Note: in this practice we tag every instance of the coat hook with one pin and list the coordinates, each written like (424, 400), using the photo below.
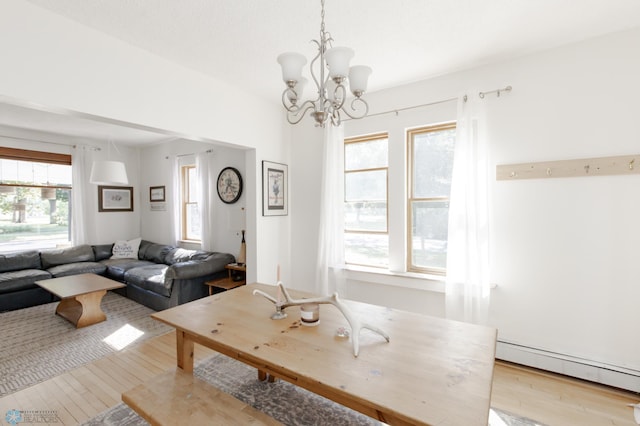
(631, 164)
(548, 171)
(586, 168)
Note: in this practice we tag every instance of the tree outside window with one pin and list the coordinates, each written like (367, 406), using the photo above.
(430, 161)
(35, 192)
(366, 216)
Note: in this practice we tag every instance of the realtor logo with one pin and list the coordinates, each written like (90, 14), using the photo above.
(13, 417)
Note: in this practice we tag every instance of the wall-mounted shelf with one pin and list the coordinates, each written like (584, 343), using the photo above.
(601, 166)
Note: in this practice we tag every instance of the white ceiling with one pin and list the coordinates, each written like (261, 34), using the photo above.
(402, 40)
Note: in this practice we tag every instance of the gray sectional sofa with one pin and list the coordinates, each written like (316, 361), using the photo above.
(161, 277)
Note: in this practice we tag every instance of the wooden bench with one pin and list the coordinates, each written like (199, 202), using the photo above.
(177, 397)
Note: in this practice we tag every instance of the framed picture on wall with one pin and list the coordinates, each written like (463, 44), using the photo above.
(275, 189)
(115, 198)
(156, 193)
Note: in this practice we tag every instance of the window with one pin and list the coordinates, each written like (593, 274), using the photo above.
(35, 189)
(190, 211)
(430, 165)
(366, 215)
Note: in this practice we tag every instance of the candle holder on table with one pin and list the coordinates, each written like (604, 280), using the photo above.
(279, 313)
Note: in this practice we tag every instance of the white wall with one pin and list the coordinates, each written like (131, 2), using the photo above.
(564, 251)
(228, 220)
(58, 63)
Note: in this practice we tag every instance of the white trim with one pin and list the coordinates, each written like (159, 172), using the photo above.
(410, 280)
(594, 371)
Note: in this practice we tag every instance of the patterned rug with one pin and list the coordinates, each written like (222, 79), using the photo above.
(38, 345)
(283, 401)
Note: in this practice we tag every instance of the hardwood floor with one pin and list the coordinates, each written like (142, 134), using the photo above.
(82, 393)
(559, 400)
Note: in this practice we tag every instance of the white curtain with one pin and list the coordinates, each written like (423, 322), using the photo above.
(174, 200)
(205, 182)
(330, 262)
(82, 225)
(467, 287)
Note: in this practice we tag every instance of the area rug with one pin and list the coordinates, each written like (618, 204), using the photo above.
(283, 401)
(38, 345)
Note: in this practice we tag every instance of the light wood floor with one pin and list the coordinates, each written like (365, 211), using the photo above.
(86, 391)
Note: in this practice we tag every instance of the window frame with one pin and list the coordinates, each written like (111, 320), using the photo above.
(186, 201)
(410, 188)
(32, 156)
(360, 139)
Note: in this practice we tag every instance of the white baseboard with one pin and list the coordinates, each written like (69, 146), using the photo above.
(611, 375)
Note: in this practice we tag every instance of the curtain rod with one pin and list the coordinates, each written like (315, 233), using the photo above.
(95, 148)
(187, 155)
(397, 110)
(481, 95)
(496, 91)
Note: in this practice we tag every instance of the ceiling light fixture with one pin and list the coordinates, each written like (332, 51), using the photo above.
(109, 172)
(331, 90)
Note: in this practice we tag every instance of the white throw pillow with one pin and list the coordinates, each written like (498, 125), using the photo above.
(126, 249)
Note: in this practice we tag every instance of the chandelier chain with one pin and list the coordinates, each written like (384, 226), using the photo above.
(322, 17)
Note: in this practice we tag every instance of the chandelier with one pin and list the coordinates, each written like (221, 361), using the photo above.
(332, 91)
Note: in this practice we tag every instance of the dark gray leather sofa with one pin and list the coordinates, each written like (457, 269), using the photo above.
(161, 277)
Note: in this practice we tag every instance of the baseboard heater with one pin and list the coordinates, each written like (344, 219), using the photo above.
(611, 375)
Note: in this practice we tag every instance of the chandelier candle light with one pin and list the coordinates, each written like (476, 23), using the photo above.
(331, 89)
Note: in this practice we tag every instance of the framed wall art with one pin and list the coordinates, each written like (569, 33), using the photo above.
(156, 193)
(115, 198)
(275, 189)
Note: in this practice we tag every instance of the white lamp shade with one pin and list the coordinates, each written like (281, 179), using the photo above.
(108, 173)
(358, 78)
(291, 64)
(338, 61)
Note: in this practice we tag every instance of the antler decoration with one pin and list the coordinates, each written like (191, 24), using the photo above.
(354, 322)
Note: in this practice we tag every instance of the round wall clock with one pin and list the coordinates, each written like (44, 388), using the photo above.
(229, 185)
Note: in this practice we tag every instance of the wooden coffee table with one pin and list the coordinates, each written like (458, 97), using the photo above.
(81, 296)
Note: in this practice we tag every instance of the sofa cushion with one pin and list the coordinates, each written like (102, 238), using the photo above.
(177, 255)
(156, 253)
(126, 249)
(102, 251)
(77, 268)
(117, 267)
(16, 261)
(212, 263)
(150, 277)
(21, 280)
(83, 253)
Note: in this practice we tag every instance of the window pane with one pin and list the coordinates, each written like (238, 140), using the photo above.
(366, 155)
(34, 218)
(429, 234)
(366, 186)
(193, 222)
(192, 196)
(433, 163)
(32, 173)
(365, 216)
(366, 249)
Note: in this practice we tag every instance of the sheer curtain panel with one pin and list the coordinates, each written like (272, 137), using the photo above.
(330, 263)
(175, 200)
(82, 194)
(206, 186)
(467, 283)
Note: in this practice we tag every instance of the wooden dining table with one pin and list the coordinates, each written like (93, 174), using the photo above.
(433, 371)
